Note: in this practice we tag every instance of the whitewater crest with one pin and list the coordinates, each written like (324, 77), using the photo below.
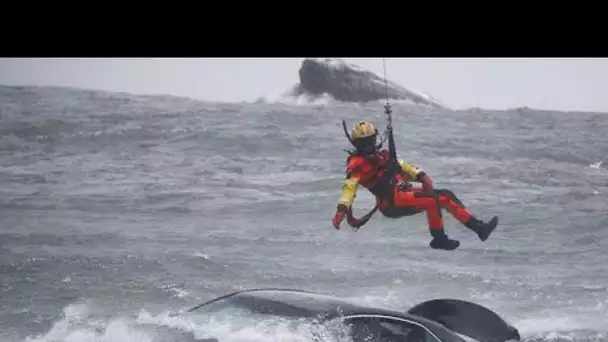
(335, 79)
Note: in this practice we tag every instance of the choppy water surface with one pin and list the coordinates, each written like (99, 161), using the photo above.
(117, 209)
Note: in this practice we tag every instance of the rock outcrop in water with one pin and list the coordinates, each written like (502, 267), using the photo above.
(351, 83)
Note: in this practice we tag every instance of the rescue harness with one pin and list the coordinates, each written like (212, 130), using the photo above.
(385, 184)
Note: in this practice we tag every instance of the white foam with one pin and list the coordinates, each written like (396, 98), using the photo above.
(202, 255)
(175, 290)
(78, 324)
(596, 165)
(237, 326)
(300, 100)
(548, 324)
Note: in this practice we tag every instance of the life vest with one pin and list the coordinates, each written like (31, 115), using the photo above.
(373, 172)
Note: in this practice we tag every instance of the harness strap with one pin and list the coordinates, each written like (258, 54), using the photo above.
(384, 185)
(356, 223)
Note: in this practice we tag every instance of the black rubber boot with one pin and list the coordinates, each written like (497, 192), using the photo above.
(482, 229)
(441, 241)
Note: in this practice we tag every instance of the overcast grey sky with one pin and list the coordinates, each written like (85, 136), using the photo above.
(566, 84)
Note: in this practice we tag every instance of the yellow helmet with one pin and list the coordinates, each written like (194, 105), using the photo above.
(363, 129)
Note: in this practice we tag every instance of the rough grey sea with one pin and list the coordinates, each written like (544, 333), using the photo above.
(117, 209)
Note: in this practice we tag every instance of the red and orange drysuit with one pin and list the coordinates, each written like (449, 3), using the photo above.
(400, 197)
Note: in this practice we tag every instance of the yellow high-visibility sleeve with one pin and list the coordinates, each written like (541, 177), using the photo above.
(349, 191)
(411, 171)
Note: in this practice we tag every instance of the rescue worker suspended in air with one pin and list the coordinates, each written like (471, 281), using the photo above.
(398, 197)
